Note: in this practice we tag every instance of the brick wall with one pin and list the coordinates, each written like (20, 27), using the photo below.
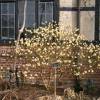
(4, 58)
(67, 19)
(67, 79)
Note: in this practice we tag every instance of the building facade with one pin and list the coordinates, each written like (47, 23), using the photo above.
(14, 14)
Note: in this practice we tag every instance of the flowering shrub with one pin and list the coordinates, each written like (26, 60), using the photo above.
(43, 47)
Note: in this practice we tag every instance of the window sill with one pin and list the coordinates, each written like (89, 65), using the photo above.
(7, 42)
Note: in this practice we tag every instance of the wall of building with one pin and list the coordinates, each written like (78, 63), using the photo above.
(67, 19)
(86, 19)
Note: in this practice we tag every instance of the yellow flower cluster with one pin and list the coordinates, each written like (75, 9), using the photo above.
(46, 45)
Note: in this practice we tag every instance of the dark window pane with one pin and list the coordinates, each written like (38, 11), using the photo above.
(99, 22)
(46, 0)
(30, 20)
(11, 33)
(0, 8)
(42, 19)
(4, 7)
(20, 21)
(31, 7)
(11, 8)
(0, 25)
(49, 18)
(49, 7)
(11, 20)
(4, 33)
(45, 12)
(30, 15)
(4, 20)
(41, 7)
(0, 33)
(7, 19)
(0, 21)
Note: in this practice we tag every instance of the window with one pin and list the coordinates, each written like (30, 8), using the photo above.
(90, 19)
(30, 13)
(87, 19)
(30, 16)
(45, 13)
(7, 20)
(37, 12)
(83, 14)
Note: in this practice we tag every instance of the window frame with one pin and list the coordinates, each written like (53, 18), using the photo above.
(55, 18)
(11, 41)
(96, 10)
(55, 10)
(96, 23)
(45, 13)
(97, 20)
(28, 14)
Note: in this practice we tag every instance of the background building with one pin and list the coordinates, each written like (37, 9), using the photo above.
(74, 13)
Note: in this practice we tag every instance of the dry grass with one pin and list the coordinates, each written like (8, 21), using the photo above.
(31, 93)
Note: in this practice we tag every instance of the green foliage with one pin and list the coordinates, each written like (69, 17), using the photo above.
(89, 87)
(77, 85)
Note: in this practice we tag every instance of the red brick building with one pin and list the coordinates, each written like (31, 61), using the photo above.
(74, 13)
